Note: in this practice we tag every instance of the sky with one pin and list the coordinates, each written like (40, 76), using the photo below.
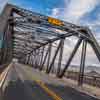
(81, 12)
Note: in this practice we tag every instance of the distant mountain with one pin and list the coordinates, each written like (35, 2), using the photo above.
(93, 73)
(87, 68)
(93, 68)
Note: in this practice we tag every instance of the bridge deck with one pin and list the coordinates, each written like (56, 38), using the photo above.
(26, 83)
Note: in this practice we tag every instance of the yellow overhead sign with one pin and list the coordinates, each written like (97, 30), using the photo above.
(54, 21)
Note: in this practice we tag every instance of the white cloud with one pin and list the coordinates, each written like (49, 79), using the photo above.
(94, 25)
(77, 8)
(55, 12)
(74, 9)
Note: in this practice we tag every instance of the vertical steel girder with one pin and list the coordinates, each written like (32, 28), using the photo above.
(44, 59)
(3, 31)
(38, 58)
(6, 54)
(49, 55)
(27, 59)
(70, 58)
(32, 60)
(4, 46)
(33, 53)
(82, 64)
(60, 57)
(41, 58)
(53, 60)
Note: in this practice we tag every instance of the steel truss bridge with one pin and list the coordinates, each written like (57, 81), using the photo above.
(30, 37)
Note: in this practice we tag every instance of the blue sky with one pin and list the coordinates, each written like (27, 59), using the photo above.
(82, 12)
(63, 9)
(41, 6)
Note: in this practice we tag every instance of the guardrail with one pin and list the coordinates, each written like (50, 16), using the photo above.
(88, 79)
(2, 80)
(2, 67)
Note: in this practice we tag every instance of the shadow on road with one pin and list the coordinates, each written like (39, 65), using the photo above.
(16, 91)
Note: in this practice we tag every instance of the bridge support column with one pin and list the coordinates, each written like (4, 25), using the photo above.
(82, 64)
(44, 59)
(53, 60)
(49, 55)
(70, 58)
(41, 58)
(60, 57)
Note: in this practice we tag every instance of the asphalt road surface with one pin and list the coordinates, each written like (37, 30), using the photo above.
(27, 83)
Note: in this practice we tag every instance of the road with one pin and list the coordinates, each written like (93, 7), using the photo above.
(26, 83)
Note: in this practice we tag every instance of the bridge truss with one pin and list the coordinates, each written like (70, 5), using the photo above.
(30, 37)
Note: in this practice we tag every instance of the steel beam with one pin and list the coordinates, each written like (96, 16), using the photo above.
(60, 57)
(44, 60)
(42, 53)
(49, 55)
(53, 60)
(70, 58)
(37, 58)
(82, 64)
